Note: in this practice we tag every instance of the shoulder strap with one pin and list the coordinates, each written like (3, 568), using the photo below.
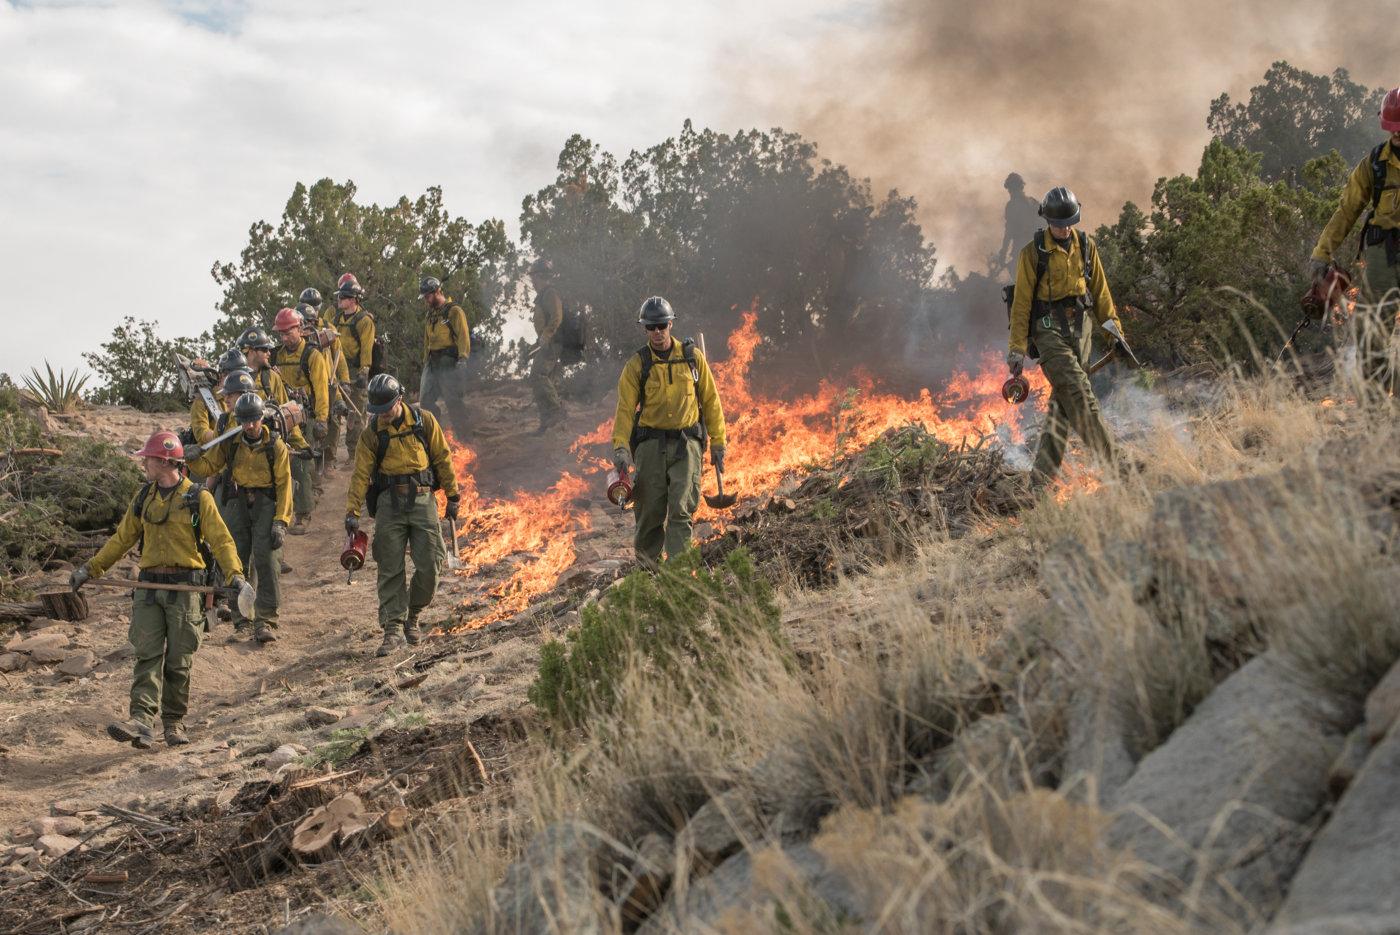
(381, 450)
(1084, 254)
(645, 355)
(1377, 175)
(192, 504)
(265, 378)
(138, 510)
(306, 352)
(688, 353)
(421, 431)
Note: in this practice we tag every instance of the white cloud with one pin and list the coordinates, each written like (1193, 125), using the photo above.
(141, 139)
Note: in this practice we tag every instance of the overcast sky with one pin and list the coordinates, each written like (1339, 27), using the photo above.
(141, 139)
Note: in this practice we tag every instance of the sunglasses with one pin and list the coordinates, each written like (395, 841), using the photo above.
(658, 326)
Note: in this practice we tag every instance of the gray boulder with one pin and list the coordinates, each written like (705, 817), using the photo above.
(554, 885)
(1353, 866)
(1228, 801)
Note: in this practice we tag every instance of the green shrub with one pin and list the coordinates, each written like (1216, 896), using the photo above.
(137, 367)
(685, 618)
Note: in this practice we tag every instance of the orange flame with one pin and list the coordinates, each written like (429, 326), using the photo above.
(771, 438)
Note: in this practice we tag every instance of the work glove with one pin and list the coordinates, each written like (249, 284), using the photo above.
(461, 366)
(319, 428)
(1015, 360)
(362, 378)
(1317, 269)
(717, 457)
(352, 525)
(78, 578)
(194, 451)
(279, 533)
(237, 582)
(622, 459)
(454, 504)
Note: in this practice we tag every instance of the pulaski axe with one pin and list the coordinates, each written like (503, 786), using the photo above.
(721, 500)
(1120, 343)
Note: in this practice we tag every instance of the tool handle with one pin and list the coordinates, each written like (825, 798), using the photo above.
(157, 586)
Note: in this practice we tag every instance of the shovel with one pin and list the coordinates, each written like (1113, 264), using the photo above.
(454, 558)
(721, 500)
(245, 594)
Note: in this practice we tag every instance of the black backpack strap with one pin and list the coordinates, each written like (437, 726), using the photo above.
(1086, 256)
(1377, 175)
(138, 509)
(421, 431)
(265, 378)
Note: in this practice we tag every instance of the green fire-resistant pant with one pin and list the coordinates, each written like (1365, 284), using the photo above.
(666, 495)
(303, 489)
(442, 386)
(544, 378)
(251, 528)
(166, 627)
(415, 530)
(1072, 401)
(1375, 321)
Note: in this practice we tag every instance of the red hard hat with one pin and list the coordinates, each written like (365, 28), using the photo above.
(1390, 111)
(288, 319)
(344, 278)
(163, 444)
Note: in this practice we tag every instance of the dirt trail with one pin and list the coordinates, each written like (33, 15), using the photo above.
(53, 747)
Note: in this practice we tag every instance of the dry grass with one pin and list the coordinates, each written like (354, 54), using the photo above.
(920, 744)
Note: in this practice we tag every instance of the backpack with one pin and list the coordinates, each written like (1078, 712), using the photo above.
(226, 478)
(1042, 263)
(191, 503)
(376, 480)
(688, 358)
(378, 356)
(573, 334)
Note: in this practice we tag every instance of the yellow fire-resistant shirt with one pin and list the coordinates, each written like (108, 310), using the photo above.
(1356, 198)
(356, 336)
(334, 352)
(314, 376)
(273, 388)
(447, 328)
(1063, 279)
(166, 521)
(548, 314)
(674, 397)
(404, 455)
(250, 467)
(201, 422)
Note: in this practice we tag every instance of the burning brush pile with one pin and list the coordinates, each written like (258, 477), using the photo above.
(869, 507)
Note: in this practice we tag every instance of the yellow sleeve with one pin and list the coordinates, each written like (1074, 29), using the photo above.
(123, 541)
(440, 455)
(359, 480)
(216, 535)
(1355, 197)
(320, 386)
(1021, 303)
(1104, 309)
(709, 401)
(462, 330)
(282, 480)
(200, 425)
(628, 391)
(212, 461)
(552, 318)
(365, 329)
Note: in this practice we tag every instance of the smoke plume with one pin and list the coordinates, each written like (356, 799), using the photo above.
(942, 99)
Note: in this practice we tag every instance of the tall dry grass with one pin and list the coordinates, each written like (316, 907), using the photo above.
(921, 745)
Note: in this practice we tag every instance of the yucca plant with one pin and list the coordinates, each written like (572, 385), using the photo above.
(57, 392)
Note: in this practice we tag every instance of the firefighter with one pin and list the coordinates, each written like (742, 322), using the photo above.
(357, 335)
(326, 339)
(547, 357)
(667, 408)
(255, 500)
(447, 344)
(201, 419)
(307, 376)
(1374, 186)
(169, 520)
(1019, 219)
(400, 459)
(1059, 282)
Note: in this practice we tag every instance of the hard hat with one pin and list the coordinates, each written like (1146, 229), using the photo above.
(428, 285)
(1060, 208)
(163, 444)
(288, 319)
(248, 408)
(311, 297)
(240, 382)
(1390, 111)
(655, 311)
(255, 339)
(383, 392)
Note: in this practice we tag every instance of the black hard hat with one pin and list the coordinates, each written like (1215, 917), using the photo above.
(1060, 208)
(1014, 182)
(541, 267)
(428, 285)
(384, 391)
(309, 313)
(248, 407)
(239, 381)
(349, 289)
(232, 360)
(255, 339)
(311, 297)
(655, 311)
